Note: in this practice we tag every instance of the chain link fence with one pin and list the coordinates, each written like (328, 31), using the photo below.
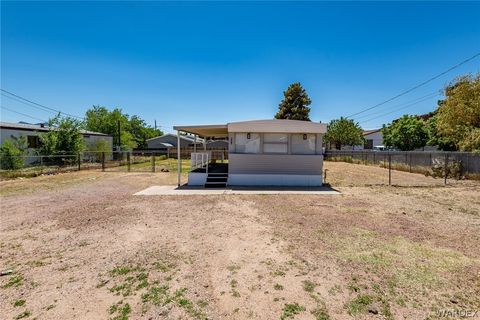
(114, 161)
(437, 164)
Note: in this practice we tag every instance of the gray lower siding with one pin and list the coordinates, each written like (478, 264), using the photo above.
(275, 164)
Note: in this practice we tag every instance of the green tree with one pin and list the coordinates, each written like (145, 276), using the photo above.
(471, 141)
(344, 131)
(100, 145)
(458, 116)
(406, 133)
(64, 137)
(100, 119)
(141, 131)
(435, 139)
(12, 152)
(294, 105)
(133, 130)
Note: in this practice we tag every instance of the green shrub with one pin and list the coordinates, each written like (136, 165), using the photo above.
(454, 170)
(12, 153)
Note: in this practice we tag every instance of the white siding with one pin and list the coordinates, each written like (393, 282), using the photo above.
(275, 164)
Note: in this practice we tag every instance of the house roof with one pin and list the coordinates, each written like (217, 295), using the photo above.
(367, 132)
(37, 127)
(277, 126)
(266, 126)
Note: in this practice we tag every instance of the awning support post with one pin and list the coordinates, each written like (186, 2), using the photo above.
(179, 160)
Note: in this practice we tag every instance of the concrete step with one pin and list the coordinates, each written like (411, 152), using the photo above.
(217, 179)
(215, 185)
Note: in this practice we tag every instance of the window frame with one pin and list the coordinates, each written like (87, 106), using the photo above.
(287, 143)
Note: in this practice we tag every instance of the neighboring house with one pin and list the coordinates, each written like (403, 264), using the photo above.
(260, 152)
(171, 141)
(373, 138)
(31, 132)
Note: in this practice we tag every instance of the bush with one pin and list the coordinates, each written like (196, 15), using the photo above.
(454, 170)
(11, 154)
(63, 138)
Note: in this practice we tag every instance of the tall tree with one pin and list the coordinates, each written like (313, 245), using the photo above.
(406, 133)
(294, 105)
(64, 138)
(344, 131)
(141, 131)
(458, 116)
(100, 119)
(133, 130)
(435, 139)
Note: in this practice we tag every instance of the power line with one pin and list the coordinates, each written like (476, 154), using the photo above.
(417, 86)
(430, 95)
(20, 113)
(35, 104)
(26, 104)
(39, 106)
(407, 106)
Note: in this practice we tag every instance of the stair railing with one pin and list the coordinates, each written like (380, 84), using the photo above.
(199, 160)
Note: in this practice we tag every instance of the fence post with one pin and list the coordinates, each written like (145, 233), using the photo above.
(446, 169)
(103, 161)
(389, 169)
(128, 161)
(153, 162)
(79, 161)
(410, 163)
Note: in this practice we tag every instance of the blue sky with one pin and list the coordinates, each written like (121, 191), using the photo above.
(212, 62)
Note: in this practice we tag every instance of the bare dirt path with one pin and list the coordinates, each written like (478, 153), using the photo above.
(83, 247)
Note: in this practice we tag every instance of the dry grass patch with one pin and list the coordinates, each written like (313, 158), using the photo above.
(397, 270)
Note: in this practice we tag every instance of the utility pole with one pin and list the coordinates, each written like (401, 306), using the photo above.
(155, 125)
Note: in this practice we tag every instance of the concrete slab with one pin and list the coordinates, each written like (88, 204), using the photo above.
(185, 191)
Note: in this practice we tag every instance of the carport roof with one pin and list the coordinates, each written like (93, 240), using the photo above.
(211, 130)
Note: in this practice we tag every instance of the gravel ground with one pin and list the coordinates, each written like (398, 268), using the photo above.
(81, 246)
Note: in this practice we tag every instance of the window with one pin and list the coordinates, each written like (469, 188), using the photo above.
(303, 143)
(368, 144)
(33, 141)
(275, 143)
(247, 143)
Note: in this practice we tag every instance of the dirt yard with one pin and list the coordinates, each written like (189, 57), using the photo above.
(81, 246)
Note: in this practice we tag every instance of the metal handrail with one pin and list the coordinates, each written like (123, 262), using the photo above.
(199, 163)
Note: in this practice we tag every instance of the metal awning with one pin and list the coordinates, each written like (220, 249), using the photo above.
(211, 130)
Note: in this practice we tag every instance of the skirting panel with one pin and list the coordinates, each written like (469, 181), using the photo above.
(275, 180)
(197, 178)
